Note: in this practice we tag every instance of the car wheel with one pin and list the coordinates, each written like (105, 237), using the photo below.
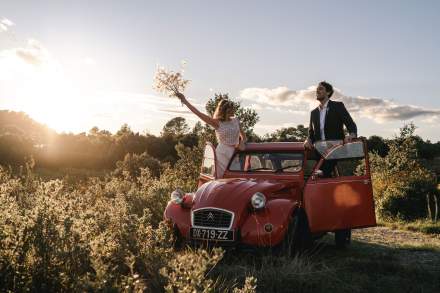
(178, 241)
(342, 238)
(298, 237)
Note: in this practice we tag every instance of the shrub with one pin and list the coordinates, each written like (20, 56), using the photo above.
(103, 234)
(189, 271)
(97, 235)
(400, 182)
(133, 163)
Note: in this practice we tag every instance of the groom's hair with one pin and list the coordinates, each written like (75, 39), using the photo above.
(328, 87)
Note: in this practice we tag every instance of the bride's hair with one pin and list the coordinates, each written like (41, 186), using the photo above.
(222, 110)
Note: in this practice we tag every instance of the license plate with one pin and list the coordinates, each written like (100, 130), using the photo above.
(212, 234)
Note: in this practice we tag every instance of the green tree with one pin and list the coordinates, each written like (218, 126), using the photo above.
(175, 127)
(197, 129)
(426, 149)
(94, 131)
(124, 130)
(294, 134)
(377, 144)
(401, 184)
(14, 148)
(248, 117)
(133, 164)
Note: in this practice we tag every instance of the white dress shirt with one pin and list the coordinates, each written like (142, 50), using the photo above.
(322, 113)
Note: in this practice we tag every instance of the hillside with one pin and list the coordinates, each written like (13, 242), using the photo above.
(19, 123)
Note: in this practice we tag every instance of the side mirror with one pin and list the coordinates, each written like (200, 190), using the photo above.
(317, 174)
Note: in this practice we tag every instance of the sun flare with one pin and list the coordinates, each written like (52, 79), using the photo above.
(52, 100)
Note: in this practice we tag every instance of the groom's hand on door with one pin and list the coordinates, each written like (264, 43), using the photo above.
(308, 144)
(349, 138)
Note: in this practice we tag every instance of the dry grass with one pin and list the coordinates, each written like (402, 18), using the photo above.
(423, 226)
(106, 235)
(379, 259)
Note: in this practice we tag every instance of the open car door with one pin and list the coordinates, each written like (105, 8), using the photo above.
(345, 200)
(208, 169)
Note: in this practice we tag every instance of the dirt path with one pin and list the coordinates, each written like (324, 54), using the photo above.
(410, 248)
(396, 238)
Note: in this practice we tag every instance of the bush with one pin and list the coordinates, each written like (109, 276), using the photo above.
(133, 163)
(97, 235)
(103, 234)
(188, 272)
(400, 183)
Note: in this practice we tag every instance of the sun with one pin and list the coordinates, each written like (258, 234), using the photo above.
(52, 100)
(34, 82)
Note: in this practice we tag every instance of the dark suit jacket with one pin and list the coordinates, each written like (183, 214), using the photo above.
(337, 116)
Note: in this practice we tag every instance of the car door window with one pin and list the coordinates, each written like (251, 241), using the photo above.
(349, 158)
(346, 151)
(309, 166)
(324, 146)
(267, 161)
(256, 162)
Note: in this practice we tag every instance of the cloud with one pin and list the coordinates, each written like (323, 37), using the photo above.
(33, 53)
(5, 24)
(302, 101)
(277, 96)
(29, 61)
(24, 60)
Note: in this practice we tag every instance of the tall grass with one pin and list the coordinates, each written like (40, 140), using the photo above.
(423, 226)
(57, 237)
(99, 235)
(107, 234)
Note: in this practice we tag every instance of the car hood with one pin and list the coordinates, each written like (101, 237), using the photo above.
(233, 194)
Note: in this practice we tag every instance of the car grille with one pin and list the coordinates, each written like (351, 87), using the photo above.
(212, 218)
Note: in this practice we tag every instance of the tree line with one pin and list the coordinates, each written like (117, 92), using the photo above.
(22, 138)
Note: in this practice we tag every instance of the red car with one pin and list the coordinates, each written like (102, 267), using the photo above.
(275, 193)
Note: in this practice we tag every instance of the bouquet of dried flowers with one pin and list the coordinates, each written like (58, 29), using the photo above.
(169, 82)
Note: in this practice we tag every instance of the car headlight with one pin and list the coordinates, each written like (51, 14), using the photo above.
(177, 196)
(258, 200)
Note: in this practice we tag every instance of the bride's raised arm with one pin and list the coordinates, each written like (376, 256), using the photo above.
(207, 119)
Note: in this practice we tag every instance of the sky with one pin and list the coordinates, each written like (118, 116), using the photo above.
(73, 65)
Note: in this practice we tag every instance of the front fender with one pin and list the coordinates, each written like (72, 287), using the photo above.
(277, 212)
(179, 216)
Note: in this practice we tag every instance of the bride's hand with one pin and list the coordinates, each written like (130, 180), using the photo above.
(180, 96)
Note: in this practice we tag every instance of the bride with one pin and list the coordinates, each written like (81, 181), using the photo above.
(227, 130)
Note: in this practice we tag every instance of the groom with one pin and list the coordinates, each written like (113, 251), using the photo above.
(327, 122)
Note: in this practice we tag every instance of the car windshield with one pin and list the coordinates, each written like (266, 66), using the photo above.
(266, 162)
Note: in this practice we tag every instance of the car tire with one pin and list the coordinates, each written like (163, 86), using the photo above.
(298, 237)
(178, 241)
(342, 238)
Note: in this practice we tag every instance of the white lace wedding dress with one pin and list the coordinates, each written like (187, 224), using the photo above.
(228, 136)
